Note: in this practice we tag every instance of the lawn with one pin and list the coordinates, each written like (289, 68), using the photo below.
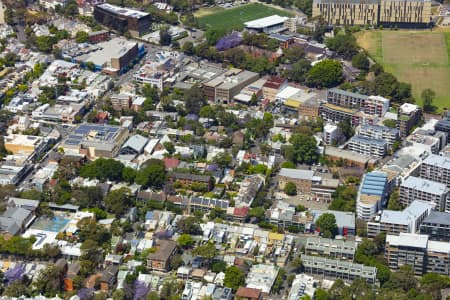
(234, 18)
(417, 57)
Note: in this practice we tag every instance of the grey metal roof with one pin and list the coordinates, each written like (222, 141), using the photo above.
(18, 214)
(368, 141)
(136, 143)
(24, 203)
(425, 185)
(339, 91)
(438, 161)
(437, 217)
(9, 225)
(297, 174)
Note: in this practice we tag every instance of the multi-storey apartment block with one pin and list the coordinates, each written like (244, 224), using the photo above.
(415, 188)
(346, 12)
(373, 12)
(417, 251)
(345, 99)
(329, 247)
(333, 113)
(333, 268)
(407, 117)
(436, 168)
(376, 105)
(367, 146)
(371, 195)
(396, 222)
(437, 226)
(390, 135)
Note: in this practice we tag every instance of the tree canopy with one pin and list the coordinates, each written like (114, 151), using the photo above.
(325, 74)
(327, 225)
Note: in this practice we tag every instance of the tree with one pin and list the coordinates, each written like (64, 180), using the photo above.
(185, 241)
(428, 96)
(188, 48)
(327, 225)
(103, 169)
(344, 44)
(81, 37)
(164, 36)
(394, 203)
(288, 165)
(304, 148)
(17, 289)
(403, 279)
(129, 174)
(299, 70)
(257, 212)
(326, 73)
(194, 100)
(290, 189)
(223, 159)
(49, 281)
(234, 278)
(207, 251)
(189, 225)
(117, 201)
(361, 61)
(219, 266)
(346, 128)
(169, 147)
(213, 35)
(153, 174)
(390, 123)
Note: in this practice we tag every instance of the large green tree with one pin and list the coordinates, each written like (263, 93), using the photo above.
(304, 148)
(234, 278)
(324, 74)
(153, 174)
(327, 225)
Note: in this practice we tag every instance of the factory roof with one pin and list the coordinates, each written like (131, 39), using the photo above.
(266, 22)
(297, 174)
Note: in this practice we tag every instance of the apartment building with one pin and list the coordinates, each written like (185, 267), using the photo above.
(404, 12)
(333, 268)
(345, 99)
(376, 105)
(19, 144)
(333, 113)
(408, 116)
(121, 101)
(223, 88)
(367, 146)
(390, 135)
(123, 19)
(385, 12)
(338, 249)
(415, 188)
(371, 195)
(436, 168)
(406, 249)
(437, 226)
(417, 251)
(396, 222)
(331, 134)
(346, 12)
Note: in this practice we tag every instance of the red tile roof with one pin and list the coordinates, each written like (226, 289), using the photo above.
(248, 293)
(240, 211)
(171, 163)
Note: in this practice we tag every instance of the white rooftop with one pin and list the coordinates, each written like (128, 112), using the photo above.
(266, 22)
(425, 185)
(123, 11)
(287, 92)
(297, 174)
(408, 240)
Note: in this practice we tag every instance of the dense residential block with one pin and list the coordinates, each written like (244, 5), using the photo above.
(415, 188)
(437, 226)
(436, 168)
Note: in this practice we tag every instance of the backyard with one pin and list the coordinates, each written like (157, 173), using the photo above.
(417, 57)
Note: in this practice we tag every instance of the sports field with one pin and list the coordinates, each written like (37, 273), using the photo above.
(421, 58)
(234, 18)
